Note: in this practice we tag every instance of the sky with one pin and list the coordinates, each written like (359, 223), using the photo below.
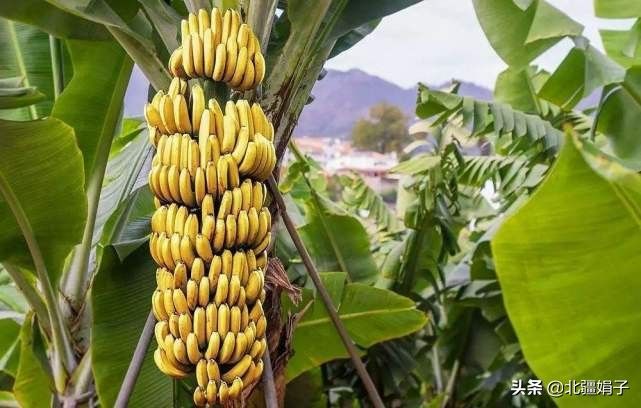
(437, 40)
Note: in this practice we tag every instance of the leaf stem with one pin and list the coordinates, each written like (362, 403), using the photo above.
(269, 386)
(55, 48)
(137, 359)
(325, 297)
(31, 295)
(64, 359)
(21, 65)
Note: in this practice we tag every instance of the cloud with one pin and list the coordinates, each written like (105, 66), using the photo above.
(437, 40)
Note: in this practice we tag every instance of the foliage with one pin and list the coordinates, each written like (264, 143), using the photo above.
(384, 131)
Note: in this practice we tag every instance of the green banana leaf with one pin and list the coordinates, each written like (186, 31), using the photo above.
(568, 264)
(32, 387)
(9, 345)
(24, 53)
(93, 100)
(620, 118)
(617, 8)
(41, 168)
(371, 315)
(13, 93)
(533, 29)
(121, 301)
(52, 20)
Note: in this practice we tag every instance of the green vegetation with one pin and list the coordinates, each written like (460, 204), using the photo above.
(385, 131)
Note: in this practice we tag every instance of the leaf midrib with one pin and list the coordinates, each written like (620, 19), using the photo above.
(351, 316)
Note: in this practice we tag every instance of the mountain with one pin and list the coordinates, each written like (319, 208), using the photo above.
(343, 97)
(340, 99)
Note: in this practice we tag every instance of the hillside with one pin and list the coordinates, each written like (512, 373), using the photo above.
(340, 99)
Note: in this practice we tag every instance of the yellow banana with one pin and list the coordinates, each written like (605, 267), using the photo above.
(200, 398)
(254, 286)
(185, 326)
(257, 311)
(200, 186)
(261, 326)
(203, 292)
(229, 135)
(181, 114)
(235, 389)
(259, 66)
(173, 183)
(193, 23)
(203, 21)
(231, 61)
(223, 393)
(209, 223)
(248, 165)
(187, 56)
(217, 114)
(254, 225)
(226, 27)
(166, 110)
(226, 263)
(186, 251)
(214, 272)
(201, 373)
(200, 326)
(243, 35)
(219, 236)
(221, 291)
(216, 20)
(234, 292)
(244, 316)
(227, 349)
(230, 231)
(247, 82)
(197, 106)
(235, 318)
(207, 206)
(193, 157)
(203, 138)
(211, 392)
(213, 346)
(168, 301)
(220, 61)
(192, 294)
(180, 276)
(193, 353)
(197, 269)
(235, 25)
(213, 371)
(176, 63)
(243, 228)
(233, 173)
(158, 306)
(242, 143)
(203, 247)
(211, 176)
(222, 168)
(239, 71)
(239, 369)
(211, 317)
(191, 227)
(223, 320)
(264, 243)
(236, 202)
(225, 205)
(180, 302)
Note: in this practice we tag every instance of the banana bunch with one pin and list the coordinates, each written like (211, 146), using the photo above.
(220, 47)
(211, 229)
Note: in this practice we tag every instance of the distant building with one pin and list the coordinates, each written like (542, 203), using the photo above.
(338, 157)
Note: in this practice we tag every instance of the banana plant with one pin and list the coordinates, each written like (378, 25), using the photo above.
(75, 209)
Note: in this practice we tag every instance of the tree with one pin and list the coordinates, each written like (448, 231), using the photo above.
(385, 131)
